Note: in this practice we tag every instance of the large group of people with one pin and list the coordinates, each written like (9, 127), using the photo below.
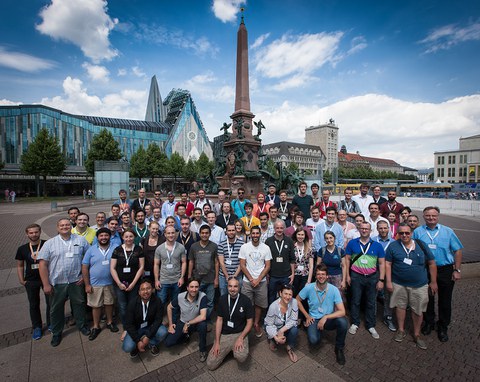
(279, 266)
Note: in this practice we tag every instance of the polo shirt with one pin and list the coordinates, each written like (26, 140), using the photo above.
(373, 224)
(189, 310)
(283, 254)
(98, 263)
(243, 311)
(319, 240)
(441, 240)
(384, 242)
(320, 303)
(89, 234)
(408, 269)
(364, 263)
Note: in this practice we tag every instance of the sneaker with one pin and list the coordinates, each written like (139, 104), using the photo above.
(421, 344)
(37, 334)
(56, 339)
(353, 329)
(112, 327)
(390, 325)
(399, 336)
(154, 350)
(374, 333)
(50, 329)
(134, 353)
(203, 356)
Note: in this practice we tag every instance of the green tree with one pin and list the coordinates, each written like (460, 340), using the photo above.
(327, 176)
(43, 157)
(139, 167)
(190, 170)
(157, 162)
(271, 167)
(176, 166)
(204, 165)
(103, 147)
(293, 167)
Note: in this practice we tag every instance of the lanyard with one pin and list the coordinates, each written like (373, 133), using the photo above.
(104, 251)
(320, 302)
(141, 204)
(226, 218)
(270, 198)
(386, 246)
(283, 316)
(279, 249)
(141, 234)
(127, 258)
(248, 224)
(145, 310)
(185, 239)
(300, 252)
(230, 248)
(348, 206)
(434, 236)
(367, 248)
(234, 306)
(283, 209)
(34, 254)
(261, 208)
(170, 254)
(408, 250)
(390, 207)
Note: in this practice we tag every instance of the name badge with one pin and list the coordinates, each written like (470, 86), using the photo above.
(283, 217)
(35, 266)
(364, 261)
(126, 270)
(230, 324)
(169, 266)
(69, 254)
(228, 262)
(105, 262)
(147, 273)
(407, 261)
(300, 268)
(279, 259)
(76, 249)
(144, 325)
(320, 309)
(432, 246)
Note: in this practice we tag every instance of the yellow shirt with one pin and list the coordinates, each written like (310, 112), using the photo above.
(89, 234)
(249, 222)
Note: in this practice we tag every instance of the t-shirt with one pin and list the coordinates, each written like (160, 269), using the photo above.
(99, 265)
(243, 311)
(282, 256)
(230, 252)
(303, 203)
(122, 268)
(408, 269)
(364, 257)
(255, 257)
(31, 272)
(189, 310)
(333, 260)
(320, 302)
(204, 258)
(170, 262)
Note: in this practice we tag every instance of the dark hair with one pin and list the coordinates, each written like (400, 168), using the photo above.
(406, 208)
(115, 205)
(83, 214)
(329, 233)
(314, 185)
(282, 286)
(205, 227)
(138, 211)
(248, 204)
(373, 204)
(128, 230)
(264, 214)
(197, 209)
(103, 230)
(405, 225)
(144, 280)
(322, 267)
(34, 225)
(328, 209)
(361, 216)
(256, 227)
(192, 279)
(297, 231)
(73, 208)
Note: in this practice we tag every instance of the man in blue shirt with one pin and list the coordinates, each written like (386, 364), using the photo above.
(329, 224)
(238, 204)
(447, 249)
(325, 311)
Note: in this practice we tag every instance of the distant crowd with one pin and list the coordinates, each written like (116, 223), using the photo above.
(167, 268)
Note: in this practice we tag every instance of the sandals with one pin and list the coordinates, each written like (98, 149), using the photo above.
(272, 345)
(292, 355)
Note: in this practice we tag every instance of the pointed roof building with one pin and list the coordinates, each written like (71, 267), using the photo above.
(155, 109)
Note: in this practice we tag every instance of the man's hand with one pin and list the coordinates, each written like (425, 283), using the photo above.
(321, 323)
(80, 282)
(389, 287)
(456, 276)
(88, 289)
(309, 320)
(215, 349)
(290, 279)
(238, 346)
(380, 285)
(255, 283)
(48, 289)
(171, 328)
(185, 328)
(433, 287)
(215, 282)
(158, 285)
(180, 282)
(122, 286)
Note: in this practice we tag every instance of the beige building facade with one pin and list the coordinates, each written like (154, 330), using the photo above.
(326, 136)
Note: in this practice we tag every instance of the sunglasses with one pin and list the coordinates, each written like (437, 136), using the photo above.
(404, 233)
(241, 193)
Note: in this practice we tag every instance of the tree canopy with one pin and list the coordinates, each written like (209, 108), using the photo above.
(43, 157)
(139, 164)
(103, 147)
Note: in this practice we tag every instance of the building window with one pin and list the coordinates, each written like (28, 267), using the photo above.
(453, 169)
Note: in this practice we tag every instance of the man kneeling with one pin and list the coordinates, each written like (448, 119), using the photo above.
(144, 321)
(234, 322)
(326, 311)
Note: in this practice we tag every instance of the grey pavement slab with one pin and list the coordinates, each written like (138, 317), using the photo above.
(14, 313)
(306, 369)
(166, 356)
(10, 367)
(250, 370)
(274, 362)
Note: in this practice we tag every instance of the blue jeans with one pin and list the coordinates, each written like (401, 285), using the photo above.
(273, 286)
(201, 328)
(129, 345)
(291, 336)
(223, 284)
(209, 290)
(162, 294)
(359, 285)
(339, 324)
(123, 299)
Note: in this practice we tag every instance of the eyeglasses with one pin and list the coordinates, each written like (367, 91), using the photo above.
(241, 193)
(404, 233)
(157, 194)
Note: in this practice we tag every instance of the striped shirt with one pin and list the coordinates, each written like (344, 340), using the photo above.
(64, 258)
(230, 255)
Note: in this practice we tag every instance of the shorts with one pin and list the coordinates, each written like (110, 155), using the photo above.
(416, 298)
(102, 295)
(259, 295)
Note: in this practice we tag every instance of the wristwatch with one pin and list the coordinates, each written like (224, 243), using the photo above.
(457, 270)
(381, 280)
(187, 324)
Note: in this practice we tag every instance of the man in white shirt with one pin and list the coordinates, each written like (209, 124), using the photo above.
(363, 199)
(315, 220)
(217, 233)
(374, 218)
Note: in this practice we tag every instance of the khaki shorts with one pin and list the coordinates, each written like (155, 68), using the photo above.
(258, 296)
(416, 298)
(102, 295)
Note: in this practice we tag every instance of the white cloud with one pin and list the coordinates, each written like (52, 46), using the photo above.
(448, 36)
(297, 55)
(96, 72)
(226, 10)
(378, 125)
(24, 62)
(128, 104)
(7, 102)
(84, 23)
(157, 34)
(138, 72)
(205, 87)
(200, 79)
(259, 41)
(122, 72)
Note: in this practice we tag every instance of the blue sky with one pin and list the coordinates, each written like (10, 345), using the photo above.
(401, 79)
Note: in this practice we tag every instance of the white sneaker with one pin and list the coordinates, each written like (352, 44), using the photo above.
(353, 329)
(374, 333)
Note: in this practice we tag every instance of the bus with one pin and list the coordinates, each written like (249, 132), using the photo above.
(427, 190)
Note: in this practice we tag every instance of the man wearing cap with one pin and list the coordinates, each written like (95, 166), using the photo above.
(238, 204)
(98, 281)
